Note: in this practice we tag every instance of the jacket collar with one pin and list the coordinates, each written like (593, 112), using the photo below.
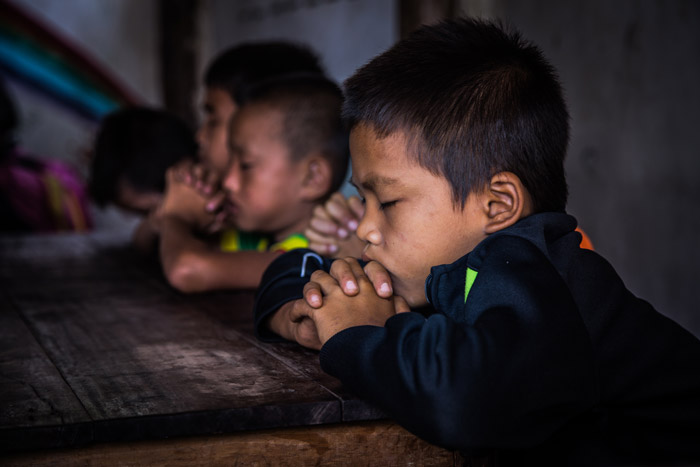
(445, 286)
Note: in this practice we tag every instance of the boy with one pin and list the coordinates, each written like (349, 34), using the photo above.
(535, 349)
(230, 77)
(227, 80)
(288, 152)
(133, 149)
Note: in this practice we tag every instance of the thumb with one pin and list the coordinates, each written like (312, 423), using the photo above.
(400, 305)
(215, 202)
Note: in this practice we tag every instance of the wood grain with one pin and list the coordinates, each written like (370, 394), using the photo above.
(369, 443)
(102, 358)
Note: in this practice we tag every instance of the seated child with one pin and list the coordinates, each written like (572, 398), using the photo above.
(227, 80)
(133, 150)
(37, 195)
(532, 348)
(288, 152)
(230, 77)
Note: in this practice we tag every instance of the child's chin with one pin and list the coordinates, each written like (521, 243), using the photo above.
(412, 298)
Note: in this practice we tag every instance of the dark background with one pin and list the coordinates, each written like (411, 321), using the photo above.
(630, 70)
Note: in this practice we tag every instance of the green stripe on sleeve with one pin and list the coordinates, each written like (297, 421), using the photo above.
(468, 282)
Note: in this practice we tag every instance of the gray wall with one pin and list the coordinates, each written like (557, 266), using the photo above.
(345, 33)
(631, 70)
(121, 35)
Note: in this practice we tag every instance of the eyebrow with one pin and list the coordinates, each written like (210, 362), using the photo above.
(371, 182)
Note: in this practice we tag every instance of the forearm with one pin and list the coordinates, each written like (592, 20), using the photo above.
(145, 237)
(279, 323)
(179, 249)
(282, 283)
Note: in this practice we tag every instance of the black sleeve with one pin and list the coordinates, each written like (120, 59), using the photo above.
(509, 379)
(282, 282)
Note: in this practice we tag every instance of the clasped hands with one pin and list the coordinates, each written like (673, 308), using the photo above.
(349, 295)
(193, 195)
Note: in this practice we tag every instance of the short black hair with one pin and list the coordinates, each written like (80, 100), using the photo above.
(311, 105)
(474, 99)
(237, 69)
(137, 145)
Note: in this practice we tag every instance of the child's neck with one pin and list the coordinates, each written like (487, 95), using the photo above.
(297, 227)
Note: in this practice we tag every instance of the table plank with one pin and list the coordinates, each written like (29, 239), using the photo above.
(144, 360)
(128, 358)
(34, 396)
(141, 361)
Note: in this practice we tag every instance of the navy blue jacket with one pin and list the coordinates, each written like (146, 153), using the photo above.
(536, 350)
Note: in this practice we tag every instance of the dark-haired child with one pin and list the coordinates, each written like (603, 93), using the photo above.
(533, 349)
(230, 77)
(37, 194)
(228, 81)
(287, 153)
(134, 148)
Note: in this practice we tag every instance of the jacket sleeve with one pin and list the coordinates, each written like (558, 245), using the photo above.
(508, 378)
(283, 281)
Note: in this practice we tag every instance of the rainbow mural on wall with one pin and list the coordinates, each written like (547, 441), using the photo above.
(35, 54)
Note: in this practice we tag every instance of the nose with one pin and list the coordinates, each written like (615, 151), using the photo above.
(367, 230)
(232, 180)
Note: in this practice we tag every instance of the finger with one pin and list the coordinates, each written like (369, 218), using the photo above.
(320, 212)
(400, 305)
(324, 249)
(338, 208)
(380, 279)
(329, 284)
(178, 173)
(299, 311)
(305, 333)
(320, 243)
(359, 273)
(347, 272)
(211, 181)
(327, 227)
(218, 223)
(184, 170)
(357, 207)
(214, 203)
(197, 175)
(312, 295)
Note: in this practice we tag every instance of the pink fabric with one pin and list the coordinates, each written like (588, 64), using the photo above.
(47, 196)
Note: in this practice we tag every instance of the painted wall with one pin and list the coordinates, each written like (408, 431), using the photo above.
(121, 35)
(630, 69)
(345, 33)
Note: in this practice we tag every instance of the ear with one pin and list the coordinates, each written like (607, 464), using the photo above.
(316, 177)
(506, 202)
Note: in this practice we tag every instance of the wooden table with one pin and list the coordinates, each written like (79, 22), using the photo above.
(102, 362)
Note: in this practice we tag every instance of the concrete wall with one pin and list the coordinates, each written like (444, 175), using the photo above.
(345, 33)
(631, 74)
(121, 35)
(630, 69)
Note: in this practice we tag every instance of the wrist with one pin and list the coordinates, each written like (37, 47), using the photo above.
(279, 321)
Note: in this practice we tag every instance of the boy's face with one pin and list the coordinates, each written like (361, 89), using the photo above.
(410, 222)
(212, 135)
(262, 183)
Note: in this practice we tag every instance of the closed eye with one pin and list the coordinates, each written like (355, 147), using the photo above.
(388, 204)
